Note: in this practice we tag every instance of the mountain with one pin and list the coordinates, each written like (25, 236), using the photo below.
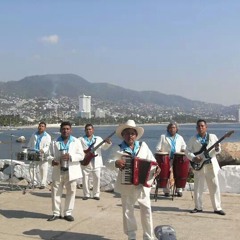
(70, 85)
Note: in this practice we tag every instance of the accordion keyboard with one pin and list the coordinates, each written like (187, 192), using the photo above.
(126, 173)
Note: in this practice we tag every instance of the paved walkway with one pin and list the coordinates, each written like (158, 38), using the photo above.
(23, 217)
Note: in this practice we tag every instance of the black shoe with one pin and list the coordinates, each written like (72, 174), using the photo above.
(167, 194)
(220, 212)
(96, 198)
(53, 218)
(69, 218)
(195, 210)
(42, 187)
(179, 194)
(85, 198)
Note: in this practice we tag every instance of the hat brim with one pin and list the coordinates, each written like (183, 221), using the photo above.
(121, 127)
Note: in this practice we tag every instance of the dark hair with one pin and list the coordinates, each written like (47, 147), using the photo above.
(88, 125)
(201, 120)
(42, 123)
(65, 124)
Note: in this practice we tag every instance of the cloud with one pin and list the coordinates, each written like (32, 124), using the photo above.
(36, 57)
(52, 39)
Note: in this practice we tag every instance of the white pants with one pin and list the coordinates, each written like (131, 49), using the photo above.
(38, 171)
(43, 172)
(96, 175)
(57, 190)
(130, 195)
(207, 173)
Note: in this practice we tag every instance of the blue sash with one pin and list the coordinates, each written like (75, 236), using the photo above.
(64, 146)
(39, 138)
(125, 147)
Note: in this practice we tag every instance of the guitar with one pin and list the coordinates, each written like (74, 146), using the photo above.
(204, 153)
(90, 152)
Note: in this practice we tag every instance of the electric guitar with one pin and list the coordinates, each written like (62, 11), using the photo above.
(90, 152)
(204, 153)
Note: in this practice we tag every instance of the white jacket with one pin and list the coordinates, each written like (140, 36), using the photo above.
(44, 143)
(76, 154)
(194, 146)
(164, 144)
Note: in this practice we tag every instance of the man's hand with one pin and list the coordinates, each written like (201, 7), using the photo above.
(197, 159)
(65, 157)
(55, 163)
(216, 147)
(120, 164)
(108, 140)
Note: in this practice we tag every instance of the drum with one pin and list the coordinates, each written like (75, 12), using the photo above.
(22, 156)
(180, 169)
(33, 156)
(163, 161)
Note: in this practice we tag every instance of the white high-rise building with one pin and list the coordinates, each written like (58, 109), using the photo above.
(85, 106)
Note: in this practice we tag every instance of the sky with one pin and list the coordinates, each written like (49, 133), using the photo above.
(186, 48)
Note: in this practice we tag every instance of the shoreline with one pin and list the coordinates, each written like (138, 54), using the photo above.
(57, 125)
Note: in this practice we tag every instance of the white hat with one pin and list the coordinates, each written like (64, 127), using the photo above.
(129, 124)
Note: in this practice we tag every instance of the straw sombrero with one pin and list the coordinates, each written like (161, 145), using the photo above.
(129, 124)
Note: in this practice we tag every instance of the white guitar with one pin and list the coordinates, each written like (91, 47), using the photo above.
(204, 153)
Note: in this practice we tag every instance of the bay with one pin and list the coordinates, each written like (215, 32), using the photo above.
(9, 147)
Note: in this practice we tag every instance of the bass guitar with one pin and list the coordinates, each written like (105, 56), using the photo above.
(90, 152)
(204, 153)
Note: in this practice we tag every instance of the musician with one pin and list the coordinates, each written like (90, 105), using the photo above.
(209, 170)
(130, 194)
(89, 140)
(171, 142)
(66, 153)
(40, 142)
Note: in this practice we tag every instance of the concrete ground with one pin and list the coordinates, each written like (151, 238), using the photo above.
(24, 217)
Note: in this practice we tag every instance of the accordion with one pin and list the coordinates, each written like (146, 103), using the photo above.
(138, 171)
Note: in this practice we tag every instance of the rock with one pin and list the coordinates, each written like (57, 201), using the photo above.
(229, 178)
(21, 139)
(230, 154)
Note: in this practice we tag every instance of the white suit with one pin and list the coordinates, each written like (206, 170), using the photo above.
(93, 167)
(208, 172)
(67, 178)
(164, 145)
(130, 194)
(43, 163)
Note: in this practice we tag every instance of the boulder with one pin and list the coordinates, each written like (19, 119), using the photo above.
(229, 178)
(230, 154)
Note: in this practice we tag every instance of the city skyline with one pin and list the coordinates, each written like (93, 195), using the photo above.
(189, 49)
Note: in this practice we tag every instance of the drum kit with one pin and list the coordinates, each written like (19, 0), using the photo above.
(31, 157)
(177, 175)
(12, 164)
(28, 157)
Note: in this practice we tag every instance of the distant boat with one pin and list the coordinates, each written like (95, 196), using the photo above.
(21, 139)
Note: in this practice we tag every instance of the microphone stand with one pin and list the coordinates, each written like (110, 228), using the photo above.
(17, 187)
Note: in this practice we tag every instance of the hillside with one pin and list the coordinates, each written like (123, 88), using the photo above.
(70, 85)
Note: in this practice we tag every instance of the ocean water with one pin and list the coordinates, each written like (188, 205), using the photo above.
(9, 147)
